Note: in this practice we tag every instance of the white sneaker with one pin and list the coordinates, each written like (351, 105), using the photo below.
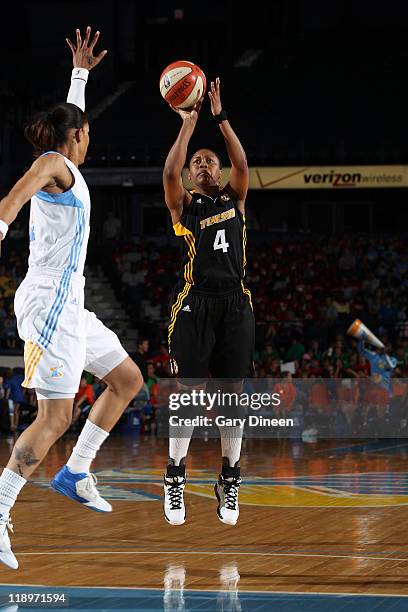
(226, 491)
(6, 554)
(173, 507)
(81, 488)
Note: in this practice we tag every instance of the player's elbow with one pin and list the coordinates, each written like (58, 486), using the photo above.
(242, 163)
(170, 173)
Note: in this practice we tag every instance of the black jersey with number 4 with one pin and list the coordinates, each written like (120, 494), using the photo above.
(213, 230)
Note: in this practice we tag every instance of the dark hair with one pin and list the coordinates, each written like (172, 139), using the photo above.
(216, 155)
(48, 129)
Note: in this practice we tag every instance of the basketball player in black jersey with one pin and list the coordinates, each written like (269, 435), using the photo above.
(211, 331)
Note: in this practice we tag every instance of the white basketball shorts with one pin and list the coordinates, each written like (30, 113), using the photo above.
(61, 337)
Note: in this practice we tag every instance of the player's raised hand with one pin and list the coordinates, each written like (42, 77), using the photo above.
(190, 114)
(215, 97)
(82, 51)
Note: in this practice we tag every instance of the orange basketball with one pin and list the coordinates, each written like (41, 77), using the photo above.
(182, 84)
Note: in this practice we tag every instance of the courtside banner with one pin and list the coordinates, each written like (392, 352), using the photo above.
(322, 177)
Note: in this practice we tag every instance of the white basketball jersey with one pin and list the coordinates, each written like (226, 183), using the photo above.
(59, 227)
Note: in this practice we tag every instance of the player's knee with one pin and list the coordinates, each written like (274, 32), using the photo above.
(128, 382)
(134, 382)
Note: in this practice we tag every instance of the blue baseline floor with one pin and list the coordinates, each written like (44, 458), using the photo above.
(202, 601)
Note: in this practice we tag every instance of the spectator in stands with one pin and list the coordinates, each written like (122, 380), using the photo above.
(319, 398)
(152, 378)
(296, 351)
(270, 352)
(139, 357)
(161, 361)
(328, 310)
(287, 394)
(341, 305)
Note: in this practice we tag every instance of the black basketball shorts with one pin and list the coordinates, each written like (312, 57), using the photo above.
(211, 336)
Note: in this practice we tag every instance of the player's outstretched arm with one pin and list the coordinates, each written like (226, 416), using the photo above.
(43, 171)
(175, 193)
(83, 60)
(239, 177)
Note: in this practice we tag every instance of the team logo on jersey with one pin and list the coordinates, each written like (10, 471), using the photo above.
(57, 371)
(225, 197)
(173, 366)
(227, 214)
(186, 308)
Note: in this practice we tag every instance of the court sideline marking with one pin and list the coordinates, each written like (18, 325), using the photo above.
(193, 552)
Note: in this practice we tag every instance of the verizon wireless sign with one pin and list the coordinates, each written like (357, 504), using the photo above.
(329, 177)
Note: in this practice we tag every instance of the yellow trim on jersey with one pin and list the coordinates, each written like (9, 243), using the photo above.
(247, 292)
(244, 241)
(176, 309)
(32, 355)
(181, 230)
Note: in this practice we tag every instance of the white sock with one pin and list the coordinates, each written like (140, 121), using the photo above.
(231, 442)
(88, 444)
(178, 447)
(10, 486)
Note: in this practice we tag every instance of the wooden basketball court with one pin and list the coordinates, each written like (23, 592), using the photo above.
(316, 520)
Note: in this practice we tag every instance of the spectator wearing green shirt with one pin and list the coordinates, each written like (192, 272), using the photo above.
(295, 351)
(152, 379)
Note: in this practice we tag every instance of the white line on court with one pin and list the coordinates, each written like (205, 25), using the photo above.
(194, 552)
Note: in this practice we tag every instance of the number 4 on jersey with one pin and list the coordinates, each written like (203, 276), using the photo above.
(219, 242)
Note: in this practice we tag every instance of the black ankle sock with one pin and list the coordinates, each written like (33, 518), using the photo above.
(176, 470)
(230, 472)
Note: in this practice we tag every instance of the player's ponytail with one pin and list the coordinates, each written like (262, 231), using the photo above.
(48, 130)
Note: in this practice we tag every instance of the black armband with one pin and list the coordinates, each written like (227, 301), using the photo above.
(222, 116)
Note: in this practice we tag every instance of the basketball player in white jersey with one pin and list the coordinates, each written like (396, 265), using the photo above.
(61, 337)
